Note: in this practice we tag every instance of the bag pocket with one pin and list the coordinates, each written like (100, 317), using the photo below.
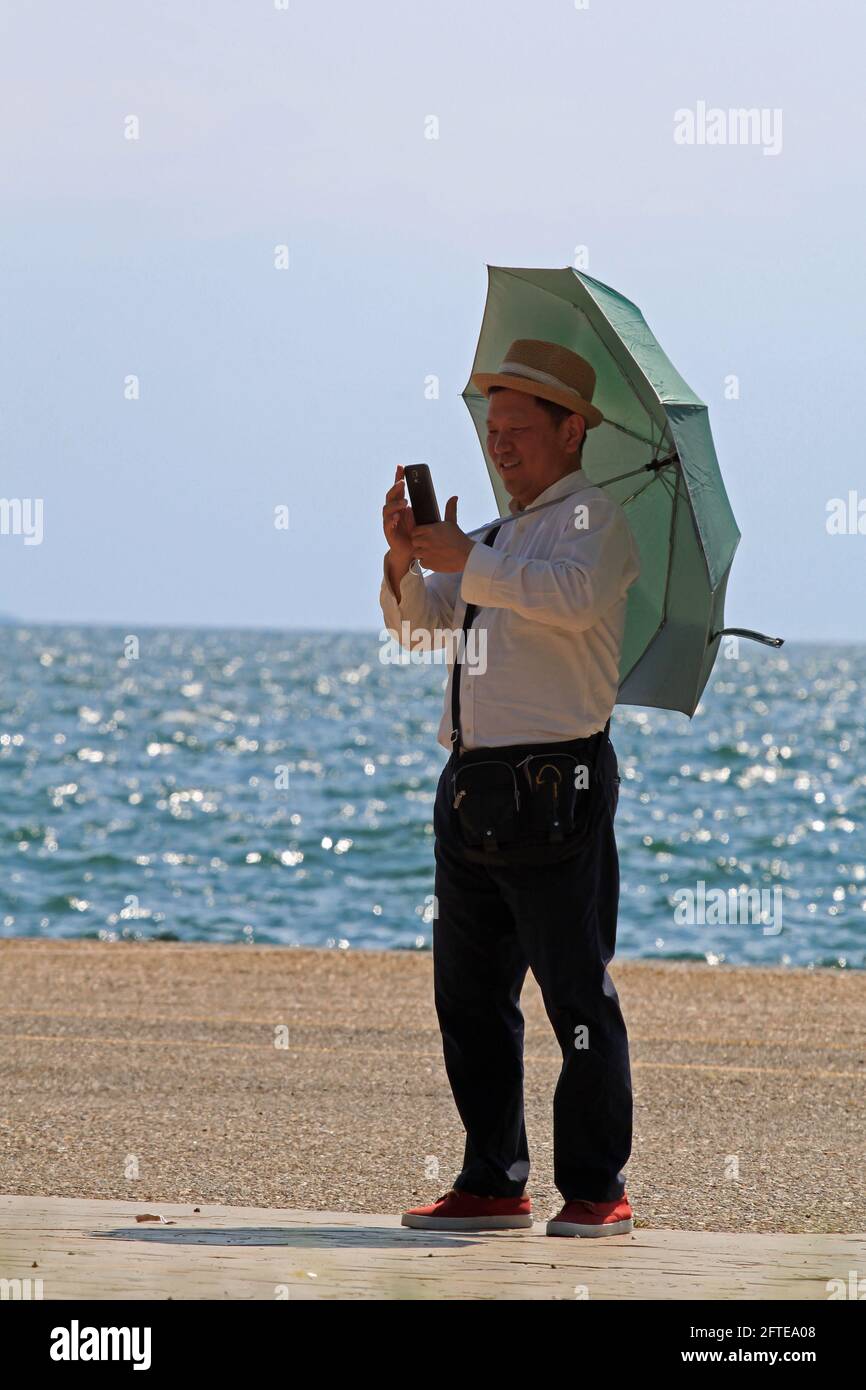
(560, 791)
(486, 800)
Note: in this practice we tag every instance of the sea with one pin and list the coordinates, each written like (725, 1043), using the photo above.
(277, 787)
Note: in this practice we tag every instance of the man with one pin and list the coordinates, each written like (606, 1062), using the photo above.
(553, 589)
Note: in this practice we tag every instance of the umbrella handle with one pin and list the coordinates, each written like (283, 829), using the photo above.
(748, 632)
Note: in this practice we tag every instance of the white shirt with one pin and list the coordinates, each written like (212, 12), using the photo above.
(552, 590)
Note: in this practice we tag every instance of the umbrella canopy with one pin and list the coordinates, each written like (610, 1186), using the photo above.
(653, 454)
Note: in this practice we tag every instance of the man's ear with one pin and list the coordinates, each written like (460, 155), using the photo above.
(575, 427)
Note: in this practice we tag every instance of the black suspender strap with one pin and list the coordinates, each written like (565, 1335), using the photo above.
(468, 620)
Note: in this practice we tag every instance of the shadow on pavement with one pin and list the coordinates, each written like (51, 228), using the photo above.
(299, 1237)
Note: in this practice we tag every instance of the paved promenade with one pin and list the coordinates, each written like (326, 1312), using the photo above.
(312, 1081)
(85, 1249)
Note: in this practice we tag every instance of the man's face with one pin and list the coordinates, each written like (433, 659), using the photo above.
(529, 450)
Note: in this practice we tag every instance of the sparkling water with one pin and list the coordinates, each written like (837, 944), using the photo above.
(278, 787)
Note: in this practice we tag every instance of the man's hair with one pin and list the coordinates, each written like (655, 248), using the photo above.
(557, 413)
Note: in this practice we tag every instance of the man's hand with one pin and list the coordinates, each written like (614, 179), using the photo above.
(442, 547)
(397, 521)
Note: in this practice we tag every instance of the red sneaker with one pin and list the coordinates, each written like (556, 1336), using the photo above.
(463, 1211)
(593, 1219)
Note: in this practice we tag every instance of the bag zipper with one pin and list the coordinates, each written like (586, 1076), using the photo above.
(488, 762)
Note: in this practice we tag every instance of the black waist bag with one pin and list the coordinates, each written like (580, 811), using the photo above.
(519, 805)
(523, 806)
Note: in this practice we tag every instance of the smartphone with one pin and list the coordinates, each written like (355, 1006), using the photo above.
(422, 494)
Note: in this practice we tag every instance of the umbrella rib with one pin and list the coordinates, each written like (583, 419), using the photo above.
(626, 378)
(671, 492)
(633, 434)
(674, 510)
(675, 496)
(656, 468)
(637, 492)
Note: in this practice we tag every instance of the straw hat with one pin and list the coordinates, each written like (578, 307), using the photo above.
(545, 369)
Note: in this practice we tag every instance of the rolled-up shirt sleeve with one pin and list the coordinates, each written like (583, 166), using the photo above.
(426, 603)
(589, 570)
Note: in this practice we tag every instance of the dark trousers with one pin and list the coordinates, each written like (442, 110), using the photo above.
(491, 926)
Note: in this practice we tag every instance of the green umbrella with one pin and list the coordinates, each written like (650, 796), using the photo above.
(653, 454)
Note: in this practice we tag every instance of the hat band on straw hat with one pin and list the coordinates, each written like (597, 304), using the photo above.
(546, 378)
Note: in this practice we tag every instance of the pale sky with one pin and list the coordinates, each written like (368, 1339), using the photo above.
(305, 387)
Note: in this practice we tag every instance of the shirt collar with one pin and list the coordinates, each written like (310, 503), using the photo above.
(563, 487)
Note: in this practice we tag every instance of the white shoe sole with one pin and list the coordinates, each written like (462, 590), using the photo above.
(571, 1228)
(467, 1223)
